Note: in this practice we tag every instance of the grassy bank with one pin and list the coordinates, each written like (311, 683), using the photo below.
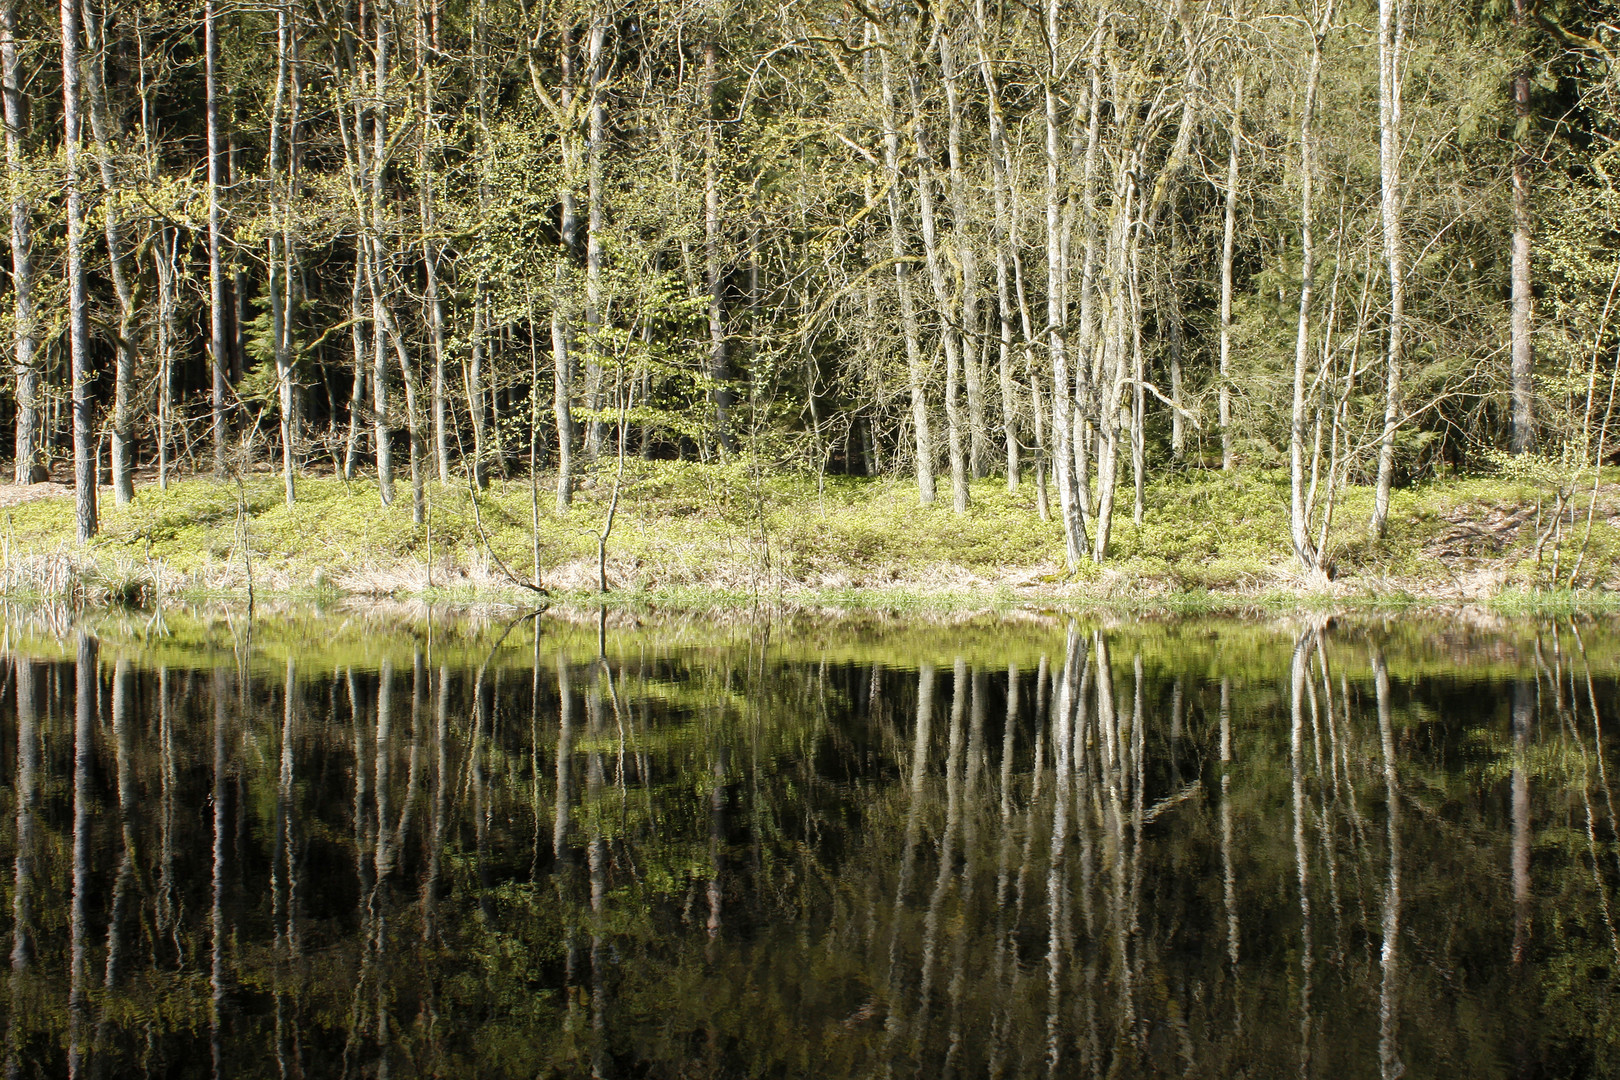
(719, 534)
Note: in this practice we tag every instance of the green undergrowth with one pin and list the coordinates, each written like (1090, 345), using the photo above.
(732, 535)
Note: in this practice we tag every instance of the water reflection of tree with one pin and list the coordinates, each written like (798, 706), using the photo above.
(702, 863)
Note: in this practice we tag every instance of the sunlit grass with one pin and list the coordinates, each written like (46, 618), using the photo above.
(734, 534)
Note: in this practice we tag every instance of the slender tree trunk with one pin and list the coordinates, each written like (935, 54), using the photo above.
(1524, 709)
(1298, 512)
(950, 342)
(122, 429)
(1391, 39)
(84, 449)
(431, 248)
(902, 277)
(967, 259)
(595, 222)
(475, 391)
(719, 393)
(1523, 353)
(568, 241)
(217, 347)
(357, 394)
(1228, 232)
(1087, 376)
(376, 268)
(1002, 241)
(1074, 538)
(165, 256)
(29, 466)
(278, 284)
(1138, 376)
(1172, 303)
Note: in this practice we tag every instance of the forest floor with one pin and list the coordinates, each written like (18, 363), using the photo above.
(714, 535)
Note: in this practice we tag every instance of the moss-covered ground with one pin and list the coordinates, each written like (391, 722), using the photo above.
(693, 533)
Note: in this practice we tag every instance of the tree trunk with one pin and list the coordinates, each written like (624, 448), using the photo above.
(1523, 355)
(594, 224)
(84, 450)
(1391, 38)
(357, 395)
(967, 258)
(1087, 374)
(1298, 512)
(475, 391)
(1074, 537)
(1228, 232)
(29, 466)
(371, 240)
(950, 342)
(165, 257)
(568, 242)
(277, 262)
(719, 393)
(122, 429)
(902, 277)
(431, 250)
(217, 348)
(1172, 302)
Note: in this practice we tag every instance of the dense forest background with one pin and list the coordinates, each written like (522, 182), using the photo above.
(1074, 243)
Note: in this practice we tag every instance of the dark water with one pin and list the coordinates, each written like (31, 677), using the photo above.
(328, 847)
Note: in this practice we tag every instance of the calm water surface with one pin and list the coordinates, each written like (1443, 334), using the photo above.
(349, 846)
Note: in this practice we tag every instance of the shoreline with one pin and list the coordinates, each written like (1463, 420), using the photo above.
(719, 538)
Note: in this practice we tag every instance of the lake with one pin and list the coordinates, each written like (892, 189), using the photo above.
(394, 843)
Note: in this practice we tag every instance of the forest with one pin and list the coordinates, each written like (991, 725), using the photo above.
(1072, 244)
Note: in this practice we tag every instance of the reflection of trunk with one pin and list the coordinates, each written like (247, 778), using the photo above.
(717, 840)
(1002, 1014)
(1301, 669)
(973, 771)
(1389, 1059)
(216, 936)
(283, 874)
(167, 909)
(480, 793)
(1524, 705)
(1228, 877)
(84, 729)
(947, 847)
(596, 859)
(22, 895)
(441, 804)
(908, 858)
(1065, 704)
(123, 689)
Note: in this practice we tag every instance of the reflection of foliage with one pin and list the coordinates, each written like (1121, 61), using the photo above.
(767, 791)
